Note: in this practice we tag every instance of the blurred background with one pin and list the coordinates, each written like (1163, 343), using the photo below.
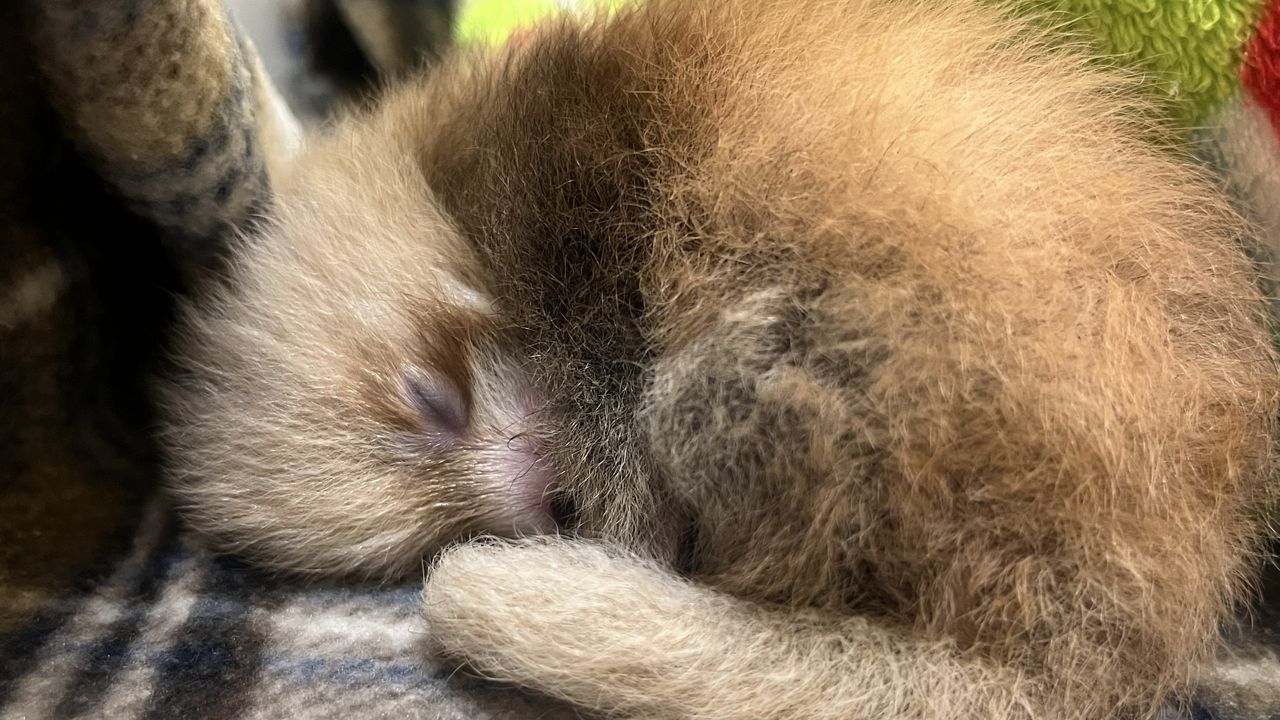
(322, 53)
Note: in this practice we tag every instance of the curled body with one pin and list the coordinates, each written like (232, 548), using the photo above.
(882, 365)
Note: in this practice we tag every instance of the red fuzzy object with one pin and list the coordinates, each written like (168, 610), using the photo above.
(1261, 69)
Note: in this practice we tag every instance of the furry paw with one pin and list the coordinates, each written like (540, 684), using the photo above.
(487, 600)
(567, 618)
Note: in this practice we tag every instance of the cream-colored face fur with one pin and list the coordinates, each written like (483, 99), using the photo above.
(956, 390)
(346, 405)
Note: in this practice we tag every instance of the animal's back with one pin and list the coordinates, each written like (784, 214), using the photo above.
(896, 304)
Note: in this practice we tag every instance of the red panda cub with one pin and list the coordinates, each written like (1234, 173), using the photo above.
(869, 358)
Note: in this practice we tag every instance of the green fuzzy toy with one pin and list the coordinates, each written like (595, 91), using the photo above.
(492, 22)
(1191, 49)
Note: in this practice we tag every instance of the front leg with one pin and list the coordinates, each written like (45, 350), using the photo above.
(623, 636)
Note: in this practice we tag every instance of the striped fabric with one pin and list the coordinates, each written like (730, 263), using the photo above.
(166, 631)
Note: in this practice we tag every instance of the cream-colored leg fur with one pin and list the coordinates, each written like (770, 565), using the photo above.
(621, 635)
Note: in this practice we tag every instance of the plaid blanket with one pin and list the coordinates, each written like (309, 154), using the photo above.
(166, 631)
(134, 138)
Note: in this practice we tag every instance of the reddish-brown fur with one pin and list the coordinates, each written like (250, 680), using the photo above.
(959, 394)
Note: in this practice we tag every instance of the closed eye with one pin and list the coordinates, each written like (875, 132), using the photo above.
(439, 402)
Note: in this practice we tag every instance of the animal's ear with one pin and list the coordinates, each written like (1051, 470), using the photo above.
(441, 405)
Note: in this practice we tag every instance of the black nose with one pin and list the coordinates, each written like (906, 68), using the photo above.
(688, 548)
(564, 511)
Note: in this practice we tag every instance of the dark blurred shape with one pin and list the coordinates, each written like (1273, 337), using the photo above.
(359, 45)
